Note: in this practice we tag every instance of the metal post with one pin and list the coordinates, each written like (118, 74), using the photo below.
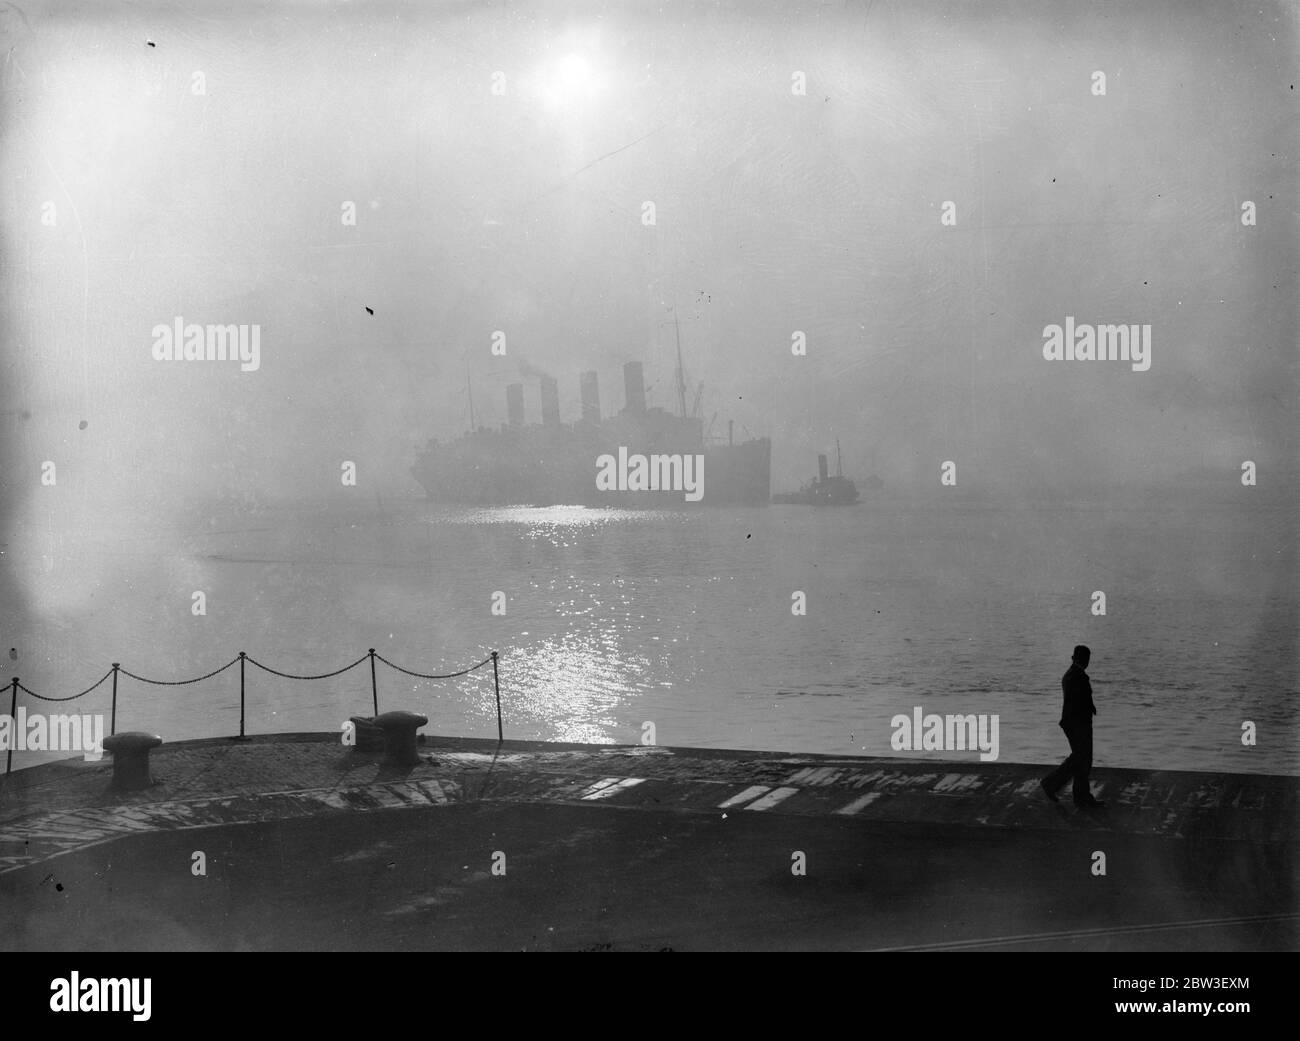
(112, 723)
(496, 682)
(241, 694)
(13, 716)
(374, 689)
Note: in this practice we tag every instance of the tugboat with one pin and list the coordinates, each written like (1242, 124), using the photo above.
(824, 490)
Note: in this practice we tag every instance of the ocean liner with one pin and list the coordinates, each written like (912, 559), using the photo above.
(554, 463)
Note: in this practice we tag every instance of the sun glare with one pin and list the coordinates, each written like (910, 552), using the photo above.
(574, 73)
(570, 82)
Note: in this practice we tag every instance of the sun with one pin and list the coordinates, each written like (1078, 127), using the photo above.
(571, 82)
(574, 74)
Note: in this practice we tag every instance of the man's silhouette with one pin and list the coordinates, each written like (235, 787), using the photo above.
(1076, 721)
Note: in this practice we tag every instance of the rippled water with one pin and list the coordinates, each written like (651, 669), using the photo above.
(616, 619)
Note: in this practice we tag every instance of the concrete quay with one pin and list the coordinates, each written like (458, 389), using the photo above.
(310, 845)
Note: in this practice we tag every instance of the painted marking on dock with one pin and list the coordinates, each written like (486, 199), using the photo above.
(815, 775)
(386, 796)
(857, 804)
(479, 758)
(433, 791)
(957, 782)
(771, 799)
(135, 819)
(405, 796)
(861, 779)
(608, 786)
(752, 792)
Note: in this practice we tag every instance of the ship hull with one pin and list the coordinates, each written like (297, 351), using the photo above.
(828, 491)
(538, 467)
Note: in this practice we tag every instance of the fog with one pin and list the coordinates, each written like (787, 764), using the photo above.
(198, 164)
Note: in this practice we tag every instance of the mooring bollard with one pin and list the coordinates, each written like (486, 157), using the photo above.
(399, 736)
(368, 737)
(131, 759)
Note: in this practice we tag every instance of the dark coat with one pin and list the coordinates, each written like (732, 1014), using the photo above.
(1078, 709)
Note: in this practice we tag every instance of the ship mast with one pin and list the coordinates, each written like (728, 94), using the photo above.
(681, 373)
(469, 390)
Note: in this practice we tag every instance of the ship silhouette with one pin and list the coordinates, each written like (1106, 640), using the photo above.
(554, 463)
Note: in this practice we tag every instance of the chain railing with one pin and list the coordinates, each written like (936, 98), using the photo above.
(242, 659)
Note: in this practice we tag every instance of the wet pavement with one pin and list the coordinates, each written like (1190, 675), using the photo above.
(1192, 860)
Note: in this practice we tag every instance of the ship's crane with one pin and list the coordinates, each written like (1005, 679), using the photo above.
(680, 374)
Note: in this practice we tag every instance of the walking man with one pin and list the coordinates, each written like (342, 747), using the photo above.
(1076, 721)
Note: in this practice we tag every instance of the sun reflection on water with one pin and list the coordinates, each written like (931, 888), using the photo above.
(576, 684)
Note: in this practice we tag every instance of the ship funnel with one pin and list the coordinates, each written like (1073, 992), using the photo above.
(515, 404)
(633, 387)
(550, 402)
(589, 385)
(822, 469)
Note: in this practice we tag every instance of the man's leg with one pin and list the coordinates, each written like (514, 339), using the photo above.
(1055, 781)
(1081, 753)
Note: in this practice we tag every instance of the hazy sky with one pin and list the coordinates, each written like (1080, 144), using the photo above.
(522, 212)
